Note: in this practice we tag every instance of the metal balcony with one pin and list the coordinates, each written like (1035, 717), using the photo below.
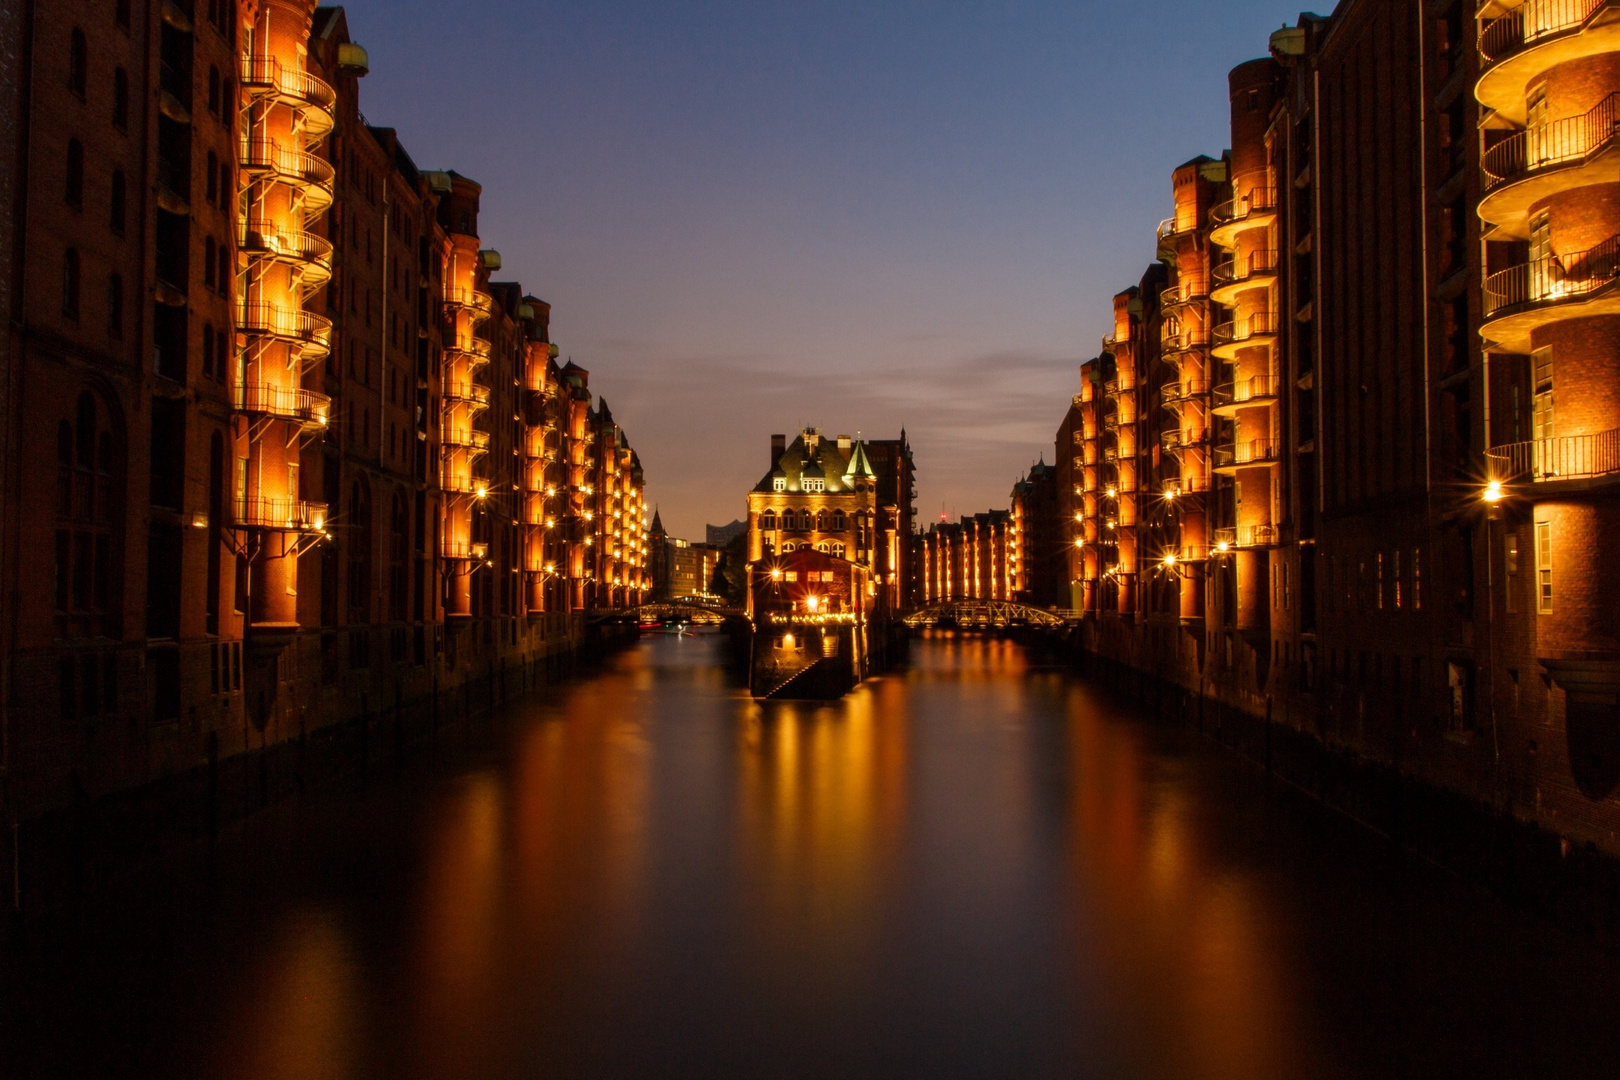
(1247, 454)
(467, 439)
(1230, 219)
(467, 393)
(1246, 536)
(1242, 393)
(1568, 457)
(1239, 334)
(1573, 285)
(306, 331)
(1533, 38)
(474, 301)
(291, 403)
(278, 515)
(310, 97)
(1236, 275)
(309, 173)
(309, 254)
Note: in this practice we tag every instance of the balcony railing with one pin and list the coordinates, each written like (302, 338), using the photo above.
(1254, 264)
(1242, 391)
(281, 515)
(1175, 439)
(1259, 200)
(480, 303)
(1568, 457)
(1177, 295)
(1531, 22)
(469, 439)
(467, 393)
(266, 75)
(1174, 392)
(452, 481)
(1560, 277)
(1259, 324)
(291, 245)
(284, 403)
(305, 328)
(1183, 340)
(1557, 143)
(1235, 455)
(296, 167)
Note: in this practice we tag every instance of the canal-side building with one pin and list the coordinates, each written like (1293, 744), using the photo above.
(974, 558)
(303, 453)
(823, 494)
(1039, 571)
(1331, 465)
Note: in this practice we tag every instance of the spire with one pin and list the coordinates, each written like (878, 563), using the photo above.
(657, 525)
(859, 464)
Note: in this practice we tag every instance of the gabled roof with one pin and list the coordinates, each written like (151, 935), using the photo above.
(859, 464)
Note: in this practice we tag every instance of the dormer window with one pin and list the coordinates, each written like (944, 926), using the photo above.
(779, 484)
(815, 485)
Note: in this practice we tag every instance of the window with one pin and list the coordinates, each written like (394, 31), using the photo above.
(767, 520)
(821, 521)
(1397, 579)
(117, 204)
(1544, 586)
(1543, 273)
(78, 64)
(779, 484)
(211, 179)
(838, 550)
(1417, 579)
(839, 521)
(1380, 561)
(1510, 561)
(213, 90)
(74, 186)
(805, 521)
(120, 115)
(208, 350)
(115, 307)
(819, 484)
(822, 547)
(121, 13)
(224, 266)
(1541, 402)
(208, 261)
(70, 284)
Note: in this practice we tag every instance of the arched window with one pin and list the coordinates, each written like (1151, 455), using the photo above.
(839, 521)
(115, 306)
(70, 284)
(213, 90)
(823, 548)
(208, 261)
(805, 521)
(73, 188)
(89, 460)
(120, 115)
(211, 179)
(117, 203)
(208, 349)
(838, 550)
(78, 64)
(767, 521)
(821, 521)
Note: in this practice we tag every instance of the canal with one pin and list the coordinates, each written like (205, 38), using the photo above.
(979, 866)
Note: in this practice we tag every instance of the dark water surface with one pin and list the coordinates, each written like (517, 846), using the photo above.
(979, 867)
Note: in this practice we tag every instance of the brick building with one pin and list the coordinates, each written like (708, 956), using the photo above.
(1039, 571)
(1344, 460)
(277, 449)
(975, 558)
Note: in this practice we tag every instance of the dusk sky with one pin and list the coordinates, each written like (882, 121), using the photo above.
(751, 217)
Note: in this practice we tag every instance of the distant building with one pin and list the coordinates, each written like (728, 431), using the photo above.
(1038, 568)
(970, 559)
(721, 535)
(823, 494)
(680, 567)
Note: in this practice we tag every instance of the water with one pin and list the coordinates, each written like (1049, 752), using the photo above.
(979, 867)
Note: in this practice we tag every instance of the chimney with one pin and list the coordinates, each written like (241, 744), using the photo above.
(843, 443)
(778, 448)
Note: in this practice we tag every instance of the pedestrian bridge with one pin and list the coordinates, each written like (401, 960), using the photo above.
(984, 614)
(699, 610)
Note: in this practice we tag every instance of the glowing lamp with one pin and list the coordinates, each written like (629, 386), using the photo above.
(1493, 492)
(1223, 547)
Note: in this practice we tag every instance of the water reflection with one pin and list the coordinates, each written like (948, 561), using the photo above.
(975, 867)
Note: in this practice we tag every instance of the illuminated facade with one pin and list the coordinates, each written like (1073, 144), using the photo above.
(975, 558)
(1344, 457)
(823, 494)
(278, 448)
